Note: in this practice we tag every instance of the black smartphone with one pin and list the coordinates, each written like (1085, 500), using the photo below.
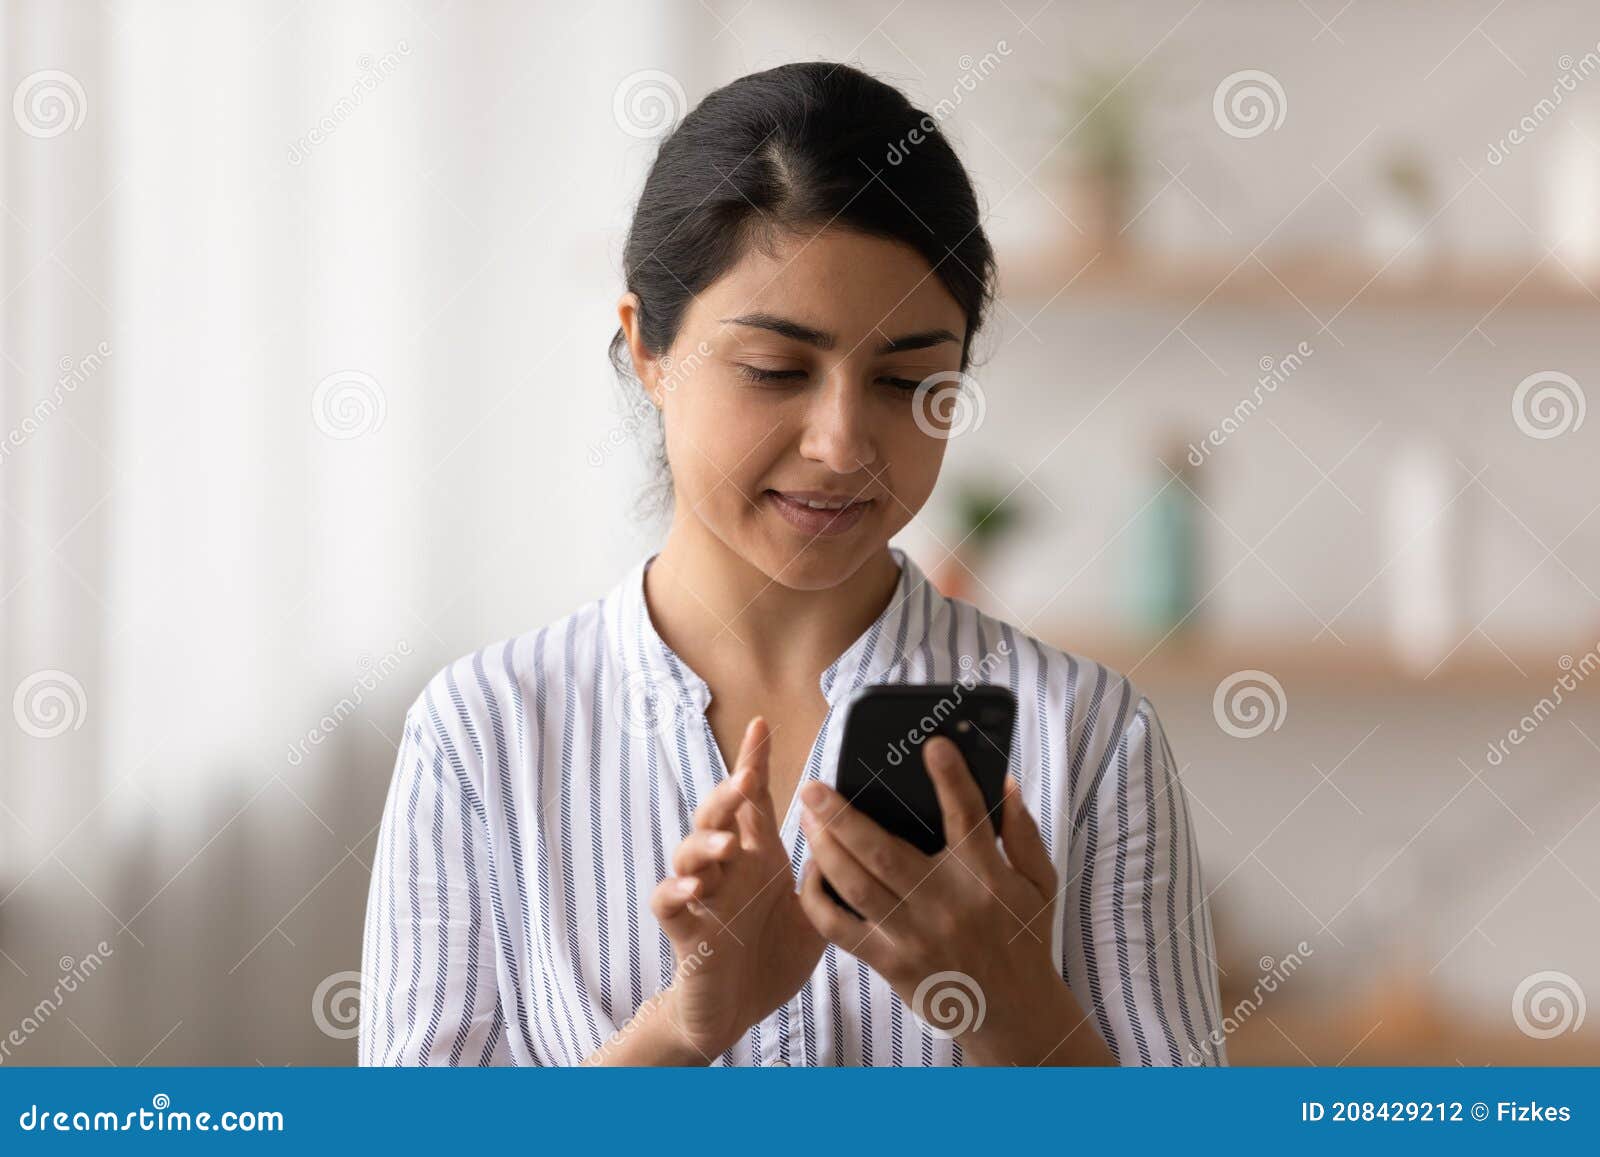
(880, 759)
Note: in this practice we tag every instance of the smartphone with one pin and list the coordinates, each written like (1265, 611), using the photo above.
(880, 759)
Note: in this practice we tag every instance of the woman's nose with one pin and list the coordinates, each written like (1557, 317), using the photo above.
(837, 431)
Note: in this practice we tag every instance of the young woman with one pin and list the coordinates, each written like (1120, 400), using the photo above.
(605, 839)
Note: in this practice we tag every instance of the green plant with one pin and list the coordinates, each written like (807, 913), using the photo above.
(1407, 175)
(1101, 111)
(986, 512)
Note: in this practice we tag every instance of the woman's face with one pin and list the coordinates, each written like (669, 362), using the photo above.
(794, 380)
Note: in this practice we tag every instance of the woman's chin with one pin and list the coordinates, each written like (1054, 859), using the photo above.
(815, 565)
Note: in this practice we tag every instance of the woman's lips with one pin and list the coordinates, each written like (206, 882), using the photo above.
(812, 521)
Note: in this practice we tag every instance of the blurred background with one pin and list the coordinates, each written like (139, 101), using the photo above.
(303, 315)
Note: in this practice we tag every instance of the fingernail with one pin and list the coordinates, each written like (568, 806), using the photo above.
(687, 885)
(721, 842)
(816, 796)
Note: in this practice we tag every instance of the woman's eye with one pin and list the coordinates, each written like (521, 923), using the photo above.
(769, 377)
(757, 374)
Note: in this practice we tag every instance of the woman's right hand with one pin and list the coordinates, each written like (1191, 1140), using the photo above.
(744, 945)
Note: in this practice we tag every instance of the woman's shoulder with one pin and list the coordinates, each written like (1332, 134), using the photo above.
(480, 704)
(1086, 725)
(1091, 703)
(1004, 650)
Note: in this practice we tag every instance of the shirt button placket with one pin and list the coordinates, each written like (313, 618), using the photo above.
(771, 1057)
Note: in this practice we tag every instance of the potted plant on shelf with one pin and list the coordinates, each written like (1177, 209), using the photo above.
(985, 512)
(1398, 235)
(1101, 111)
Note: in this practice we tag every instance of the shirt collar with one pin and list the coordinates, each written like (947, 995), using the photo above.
(877, 654)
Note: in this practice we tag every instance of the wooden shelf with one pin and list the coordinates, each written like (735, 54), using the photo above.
(1395, 1032)
(1378, 1012)
(1331, 281)
(1357, 665)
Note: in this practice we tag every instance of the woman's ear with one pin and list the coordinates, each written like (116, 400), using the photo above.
(645, 367)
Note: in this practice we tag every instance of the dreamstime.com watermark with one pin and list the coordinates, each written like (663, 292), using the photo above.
(648, 103)
(972, 71)
(1248, 703)
(645, 701)
(972, 673)
(688, 966)
(643, 413)
(372, 673)
(948, 404)
(1249, 102)
(49, 703)
(159, 1118)
(49, 103)
(73, 973)
(950, 1003)
(373, 72)
(1572, 71)
(336, 1004)
(1273, 374)
(349, 404)
(1273, 973)
(1575, 671)
(1547, 1004)
(1548, 404)
(72, 375)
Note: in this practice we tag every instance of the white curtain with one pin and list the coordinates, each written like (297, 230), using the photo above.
(342, 277)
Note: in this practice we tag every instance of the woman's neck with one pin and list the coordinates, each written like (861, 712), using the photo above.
(729, 620)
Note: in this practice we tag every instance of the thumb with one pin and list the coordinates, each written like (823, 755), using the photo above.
(1024, 847)
(670, 903)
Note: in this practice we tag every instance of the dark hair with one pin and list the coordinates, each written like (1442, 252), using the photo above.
(805, 144)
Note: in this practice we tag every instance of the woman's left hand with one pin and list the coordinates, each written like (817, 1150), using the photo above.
(966, 910)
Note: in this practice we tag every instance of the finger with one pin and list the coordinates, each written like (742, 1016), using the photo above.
(717, 810)
(702, 849)
(725, 800)
(859, 887)
(711, 877)
(897, 865)
(670, 903)
(1024, 846)
(966, 819)
(757, 816)
(833, 923)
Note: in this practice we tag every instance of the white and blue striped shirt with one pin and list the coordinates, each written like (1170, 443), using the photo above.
(543, 782)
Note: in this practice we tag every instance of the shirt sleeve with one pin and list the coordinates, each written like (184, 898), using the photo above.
(1139, 952)
(429, 988)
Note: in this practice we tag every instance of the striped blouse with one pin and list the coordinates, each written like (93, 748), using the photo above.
(543, 782)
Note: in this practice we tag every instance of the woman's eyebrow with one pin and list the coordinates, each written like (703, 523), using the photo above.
(917, 341)
(784, 326)
(826, 341)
